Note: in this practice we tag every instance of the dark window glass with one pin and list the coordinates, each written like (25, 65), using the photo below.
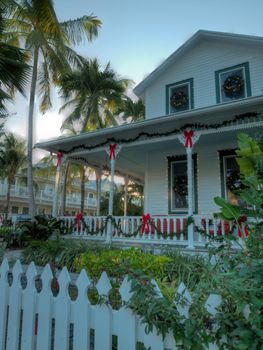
(179, 98)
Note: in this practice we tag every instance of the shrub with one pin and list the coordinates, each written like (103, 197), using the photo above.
(118, 263)
(58, 253)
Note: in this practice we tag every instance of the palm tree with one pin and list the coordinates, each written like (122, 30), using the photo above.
(12, 159)
(92, 94)
(14, 72)
(132, 109)
(49, 41)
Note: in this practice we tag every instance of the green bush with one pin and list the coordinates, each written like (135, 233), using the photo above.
(9, 236)
(118, 263)
(58, 252)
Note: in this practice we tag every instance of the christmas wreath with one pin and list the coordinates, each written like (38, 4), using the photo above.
(233, 86)
(179, 99)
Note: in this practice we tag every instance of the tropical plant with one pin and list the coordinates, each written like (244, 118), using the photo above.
(14, 72)
(92, 94)
(12, 159)
(39, 229)
(35, 23)
(134, 203)
(132, 111)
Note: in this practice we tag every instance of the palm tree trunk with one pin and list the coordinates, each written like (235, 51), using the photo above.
(32, 208)
(64, 189)
(7, 200)
(82, 189)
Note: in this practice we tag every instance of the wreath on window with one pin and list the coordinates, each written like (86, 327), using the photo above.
(233, 86)
(180, 186)
(179, 99)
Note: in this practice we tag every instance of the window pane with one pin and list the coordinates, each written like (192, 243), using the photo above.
(232, 179)
(179, 185)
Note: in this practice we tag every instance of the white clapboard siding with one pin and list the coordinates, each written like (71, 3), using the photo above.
(106, 323)
(201, 63)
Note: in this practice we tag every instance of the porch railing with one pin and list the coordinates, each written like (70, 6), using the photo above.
(161, 229)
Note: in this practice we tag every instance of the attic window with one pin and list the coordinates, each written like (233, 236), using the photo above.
(179, 96)
(233, 83)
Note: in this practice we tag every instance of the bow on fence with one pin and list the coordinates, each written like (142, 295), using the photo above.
(188, 138)
(146, 219)
(241, 221)
(113, 151)
(59, 158)
(79, 217)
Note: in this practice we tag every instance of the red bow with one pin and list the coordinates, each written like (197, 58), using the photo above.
(188, 138)
(112, 151)
(79, 217)
(59, 155)
(242, 220)
(145, 223)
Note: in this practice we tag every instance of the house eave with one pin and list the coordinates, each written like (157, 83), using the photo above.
(199, 35)
(59, 144)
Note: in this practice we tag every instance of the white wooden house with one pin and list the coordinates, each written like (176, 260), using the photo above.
(197, 101)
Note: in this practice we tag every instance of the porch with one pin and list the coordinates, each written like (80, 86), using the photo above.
(178, 200)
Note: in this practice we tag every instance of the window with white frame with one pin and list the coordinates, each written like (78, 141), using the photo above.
(178, 184)
(233, 83)
(179, 96)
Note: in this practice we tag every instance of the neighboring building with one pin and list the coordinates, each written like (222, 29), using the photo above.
(197, 101)
(44, 198)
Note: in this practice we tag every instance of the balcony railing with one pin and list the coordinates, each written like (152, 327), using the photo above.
(171, 230)
(22, 192)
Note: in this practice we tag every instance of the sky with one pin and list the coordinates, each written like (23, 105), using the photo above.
(136, 36)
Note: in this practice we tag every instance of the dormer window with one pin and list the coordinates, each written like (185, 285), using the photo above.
(179, 96)
(233, 83)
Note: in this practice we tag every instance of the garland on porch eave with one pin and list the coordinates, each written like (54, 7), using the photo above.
(176, 131)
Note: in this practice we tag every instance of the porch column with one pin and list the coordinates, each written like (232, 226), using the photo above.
(98, 189)
(112, 151)
(126, 182)
(188, 139)
(57, 182)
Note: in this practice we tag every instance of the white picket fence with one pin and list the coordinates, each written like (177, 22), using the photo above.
(31, 319)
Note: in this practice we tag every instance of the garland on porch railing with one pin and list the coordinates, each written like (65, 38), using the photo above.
(146, 226)
(176, 131)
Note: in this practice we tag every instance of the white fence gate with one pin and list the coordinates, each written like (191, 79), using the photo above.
(36, 319)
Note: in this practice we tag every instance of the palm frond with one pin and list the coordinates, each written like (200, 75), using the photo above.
(77, 29)
(44, 88)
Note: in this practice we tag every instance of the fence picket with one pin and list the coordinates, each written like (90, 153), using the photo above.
(103, 316)
(125, 320)
(44, 311)
(14, 308)
(29, 306)
(81, 314)
(62, 312)
(4, 289)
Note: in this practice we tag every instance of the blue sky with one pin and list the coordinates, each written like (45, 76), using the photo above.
(138, 35)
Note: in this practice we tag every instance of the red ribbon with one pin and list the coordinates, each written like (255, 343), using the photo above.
(188, 138)
(242, 220)
(59, 155)
(112, 151)
(79, 217)
(145, 223)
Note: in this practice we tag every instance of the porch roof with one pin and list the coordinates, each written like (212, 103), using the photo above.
(90, 147)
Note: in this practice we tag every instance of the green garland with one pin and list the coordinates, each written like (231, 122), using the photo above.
(147, 135)
(117, 225)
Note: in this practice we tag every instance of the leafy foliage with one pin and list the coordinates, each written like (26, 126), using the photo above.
(39, 229)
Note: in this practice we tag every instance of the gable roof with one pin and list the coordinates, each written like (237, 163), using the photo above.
(190, 43)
